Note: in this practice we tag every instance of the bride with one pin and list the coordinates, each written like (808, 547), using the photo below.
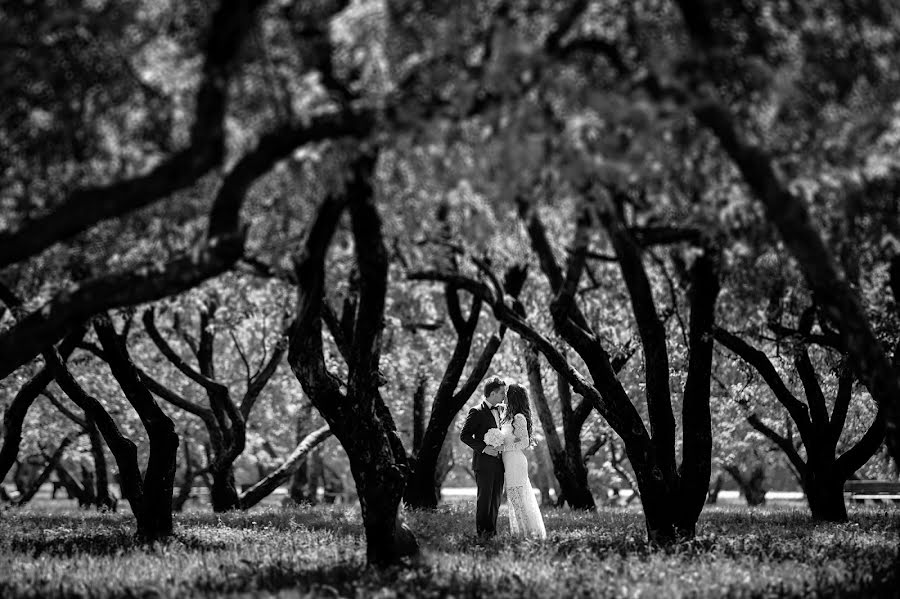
(525, 518)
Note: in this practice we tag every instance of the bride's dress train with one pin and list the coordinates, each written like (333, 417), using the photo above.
(525, 518)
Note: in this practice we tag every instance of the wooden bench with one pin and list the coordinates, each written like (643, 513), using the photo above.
(873, 491)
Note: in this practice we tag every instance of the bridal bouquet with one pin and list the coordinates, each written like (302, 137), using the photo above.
(493, 437)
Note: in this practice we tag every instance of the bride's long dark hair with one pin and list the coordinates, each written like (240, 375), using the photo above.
(517, 403)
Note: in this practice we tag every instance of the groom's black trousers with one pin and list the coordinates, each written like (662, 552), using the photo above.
(489, 480)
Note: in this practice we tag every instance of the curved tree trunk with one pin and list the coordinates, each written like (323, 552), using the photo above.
(18, 409)
(822, 475)
(358, 416)
(28, 493)
(424, 485)
(568, 465)
(264, 487)
(73, 488)
(225, 420)
(150, 495)
(152, 500)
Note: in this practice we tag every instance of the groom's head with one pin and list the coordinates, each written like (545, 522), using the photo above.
(494, 390)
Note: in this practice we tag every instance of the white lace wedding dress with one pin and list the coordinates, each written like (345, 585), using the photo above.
(525, 518)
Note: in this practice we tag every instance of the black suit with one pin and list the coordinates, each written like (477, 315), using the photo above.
(488, 469)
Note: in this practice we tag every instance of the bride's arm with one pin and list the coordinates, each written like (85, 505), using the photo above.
(519, 438)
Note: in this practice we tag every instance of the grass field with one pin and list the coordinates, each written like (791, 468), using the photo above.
(304, 552)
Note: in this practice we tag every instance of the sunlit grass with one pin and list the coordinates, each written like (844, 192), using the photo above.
(320, 551)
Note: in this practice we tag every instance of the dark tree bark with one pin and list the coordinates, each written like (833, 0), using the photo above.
(225, 420)
(152, 507)
(695, 468)
(823, 473)
(423, 485)
(358, 416)
(568, 462)
(418, 414)
(150, 493)
(672, 498)
(94, 488)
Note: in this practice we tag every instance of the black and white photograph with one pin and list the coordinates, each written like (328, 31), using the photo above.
(449, 299)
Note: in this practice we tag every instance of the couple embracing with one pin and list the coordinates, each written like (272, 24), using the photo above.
(498, 434)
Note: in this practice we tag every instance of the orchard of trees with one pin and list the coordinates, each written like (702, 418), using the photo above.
(250, 244)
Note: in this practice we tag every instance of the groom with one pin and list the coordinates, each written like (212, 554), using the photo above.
(486, 461)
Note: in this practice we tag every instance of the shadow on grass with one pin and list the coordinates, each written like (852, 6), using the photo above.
(63, 542)
(338, 580)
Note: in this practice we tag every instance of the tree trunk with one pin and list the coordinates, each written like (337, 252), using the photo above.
(302, 488)
(154, 512)
(421, 491)
(379, 485)
(18, 408)
(35, 485)
(89, 484)
(825, 494)
(696, 463)
(545, 479)
(357, 414)
(264, 488)
(316, 466)
(333, 485)
(565, 455)
(712, 497)
(299, 490)
(102, 497)
(657, 490)
(420, 487)
(73, 488)
(187, 481)
(577, 492)
(150, 496)
(752, 484)
(445, 464)
(223, 494)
